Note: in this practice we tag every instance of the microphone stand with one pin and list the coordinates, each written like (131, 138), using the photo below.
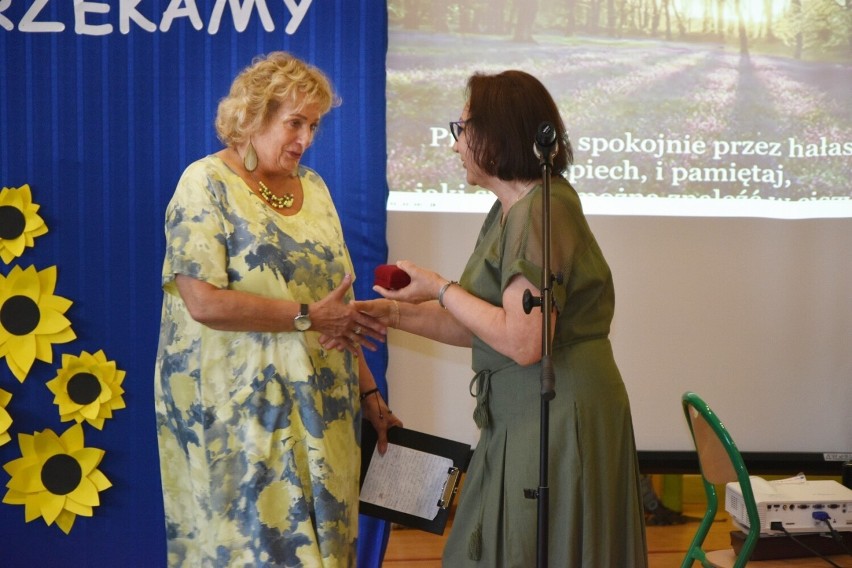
(548, 376)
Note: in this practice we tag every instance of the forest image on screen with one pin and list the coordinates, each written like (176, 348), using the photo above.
(669, 102)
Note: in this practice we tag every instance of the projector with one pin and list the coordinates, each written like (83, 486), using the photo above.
(796, 504)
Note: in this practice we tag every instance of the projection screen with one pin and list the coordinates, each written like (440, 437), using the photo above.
(712, 150)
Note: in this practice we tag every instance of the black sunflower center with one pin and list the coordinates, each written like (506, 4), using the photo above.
(12, 222)
(84, 388)
(19, 315)
(61, 474)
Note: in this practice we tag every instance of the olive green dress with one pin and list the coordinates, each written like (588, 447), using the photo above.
(596, 516)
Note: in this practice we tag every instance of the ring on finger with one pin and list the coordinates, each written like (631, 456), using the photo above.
(357, 330)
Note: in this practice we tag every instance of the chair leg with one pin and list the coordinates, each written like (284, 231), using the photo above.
(695, 552)
(747, 548)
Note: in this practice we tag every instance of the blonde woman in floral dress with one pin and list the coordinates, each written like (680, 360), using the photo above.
(258, 425)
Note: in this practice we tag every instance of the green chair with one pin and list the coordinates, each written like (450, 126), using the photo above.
(720, 463)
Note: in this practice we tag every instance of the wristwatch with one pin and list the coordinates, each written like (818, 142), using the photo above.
(302, 322)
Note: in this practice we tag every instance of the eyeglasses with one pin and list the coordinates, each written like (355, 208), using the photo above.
(456, 128)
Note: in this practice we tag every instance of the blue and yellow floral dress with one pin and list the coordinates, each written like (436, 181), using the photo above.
(258, 432)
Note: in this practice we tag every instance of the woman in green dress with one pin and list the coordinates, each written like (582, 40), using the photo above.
(258, 425)
(595, 506)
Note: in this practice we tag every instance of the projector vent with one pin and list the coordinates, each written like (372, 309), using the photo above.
(735, 504)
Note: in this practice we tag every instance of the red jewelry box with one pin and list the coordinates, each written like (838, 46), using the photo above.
(391, 277)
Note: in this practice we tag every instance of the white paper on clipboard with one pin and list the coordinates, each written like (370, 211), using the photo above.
(406, 480)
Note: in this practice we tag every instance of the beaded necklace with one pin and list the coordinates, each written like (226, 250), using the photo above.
(284, 202)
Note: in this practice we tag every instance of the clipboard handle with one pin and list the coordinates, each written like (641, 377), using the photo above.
(449, 488)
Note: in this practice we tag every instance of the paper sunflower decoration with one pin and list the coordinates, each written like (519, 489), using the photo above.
(5, 418)
(87, 388)
(56, 478)
(19, 222)
(31, 318)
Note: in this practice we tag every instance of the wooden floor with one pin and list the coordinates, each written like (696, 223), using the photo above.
(409, 548)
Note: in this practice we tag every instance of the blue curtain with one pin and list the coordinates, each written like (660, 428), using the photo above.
(100, 122)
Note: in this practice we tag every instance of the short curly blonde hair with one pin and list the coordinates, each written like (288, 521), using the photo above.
(260, 89)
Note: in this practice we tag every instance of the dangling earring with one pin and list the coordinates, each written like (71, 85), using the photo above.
(250, 159)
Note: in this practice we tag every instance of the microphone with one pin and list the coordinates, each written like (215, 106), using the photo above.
(545, 142)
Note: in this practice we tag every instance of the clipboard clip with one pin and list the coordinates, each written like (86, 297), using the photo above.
(449, 488)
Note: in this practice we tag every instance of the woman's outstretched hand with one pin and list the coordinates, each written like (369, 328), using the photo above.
(342, 326)
(424, 285)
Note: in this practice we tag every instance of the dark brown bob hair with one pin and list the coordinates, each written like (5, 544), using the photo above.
(504, 113)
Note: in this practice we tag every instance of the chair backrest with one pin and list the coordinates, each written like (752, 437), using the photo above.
(713, 444)
(720, 463)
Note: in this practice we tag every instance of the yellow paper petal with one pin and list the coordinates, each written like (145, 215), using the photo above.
(32, 510)
(78, 508)
(65, 521)
(27, 479)
(90, 411)
(50, 322)
(107, 391)
(55, 386)
(50, 505)
(73, 439)
(34, 223)
(44, 349)
(57, 303)
(27, 444)
(25, 194)
(63, 336)
(5, 420)
(47, 280)
(5, 417)
(17, 465)
(48, 444)
(100, 480)
(26, 283)
(17, 370)
(13, 497)
(88, 458)
(16, 245)
(96, 423)
(22, 354)
(85, 493)
(92, 359)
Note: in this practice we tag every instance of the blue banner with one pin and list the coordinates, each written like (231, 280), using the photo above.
(102, 106)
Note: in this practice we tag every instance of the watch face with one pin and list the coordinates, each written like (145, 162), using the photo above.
(302, 322)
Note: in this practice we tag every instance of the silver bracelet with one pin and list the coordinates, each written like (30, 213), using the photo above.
(443, 291)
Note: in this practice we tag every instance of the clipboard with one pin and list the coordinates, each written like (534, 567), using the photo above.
(445, 461)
